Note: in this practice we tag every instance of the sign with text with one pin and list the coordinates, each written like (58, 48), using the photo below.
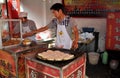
(91, 8)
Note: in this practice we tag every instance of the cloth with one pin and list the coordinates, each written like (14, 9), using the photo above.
(63, 38)
(69, 22)
(23, 14)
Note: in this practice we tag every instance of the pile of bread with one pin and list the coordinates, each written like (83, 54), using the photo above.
(11, 42)
(26, 42)
(55, 55)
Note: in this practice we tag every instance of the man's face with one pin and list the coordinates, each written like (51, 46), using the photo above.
(22, 19)
(56, 13)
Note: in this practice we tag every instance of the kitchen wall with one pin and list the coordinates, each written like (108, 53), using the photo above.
(36, 10)
(100, 26)
(39, 11)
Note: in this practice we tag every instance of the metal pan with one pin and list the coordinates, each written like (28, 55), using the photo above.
(75, 53)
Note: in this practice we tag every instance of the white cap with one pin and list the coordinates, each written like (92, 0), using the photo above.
(23, 14)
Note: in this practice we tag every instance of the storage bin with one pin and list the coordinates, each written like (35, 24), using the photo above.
(93, 58)
(88, 29)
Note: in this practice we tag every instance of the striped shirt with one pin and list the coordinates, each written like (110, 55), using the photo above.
(69, 22)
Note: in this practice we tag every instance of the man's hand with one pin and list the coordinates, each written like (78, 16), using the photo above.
(74, 45)
(60, 46)
(35, 31)
(28, 34)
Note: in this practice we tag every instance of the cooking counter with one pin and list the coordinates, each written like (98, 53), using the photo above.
(57, 63)
(12, 60)
(22, 48)
(74, 68)
(21, 62)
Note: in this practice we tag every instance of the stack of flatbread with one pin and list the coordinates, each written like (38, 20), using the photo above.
(55, 55)
(11, 42)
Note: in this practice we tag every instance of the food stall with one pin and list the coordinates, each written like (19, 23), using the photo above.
(13, 51)
(19, 61)
(12, 63)
(37, 67)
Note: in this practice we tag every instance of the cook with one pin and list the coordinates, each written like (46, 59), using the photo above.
(64, 26)
(27, 26)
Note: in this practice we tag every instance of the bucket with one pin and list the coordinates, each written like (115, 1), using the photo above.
(93, 58)
(114, 64)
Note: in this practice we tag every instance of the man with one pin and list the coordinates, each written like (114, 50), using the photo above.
(27, 26)
(64, 25)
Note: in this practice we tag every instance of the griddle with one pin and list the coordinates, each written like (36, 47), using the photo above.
(64, 62)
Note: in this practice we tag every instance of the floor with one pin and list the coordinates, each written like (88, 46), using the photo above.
(101, 71)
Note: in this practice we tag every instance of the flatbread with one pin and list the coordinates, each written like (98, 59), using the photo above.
(55, 55)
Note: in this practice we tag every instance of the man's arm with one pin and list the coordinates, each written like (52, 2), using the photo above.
(76, 37)
(35, 31)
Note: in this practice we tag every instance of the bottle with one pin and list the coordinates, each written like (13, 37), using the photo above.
(105, 57)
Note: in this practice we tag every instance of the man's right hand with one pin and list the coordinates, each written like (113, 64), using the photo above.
(35, 31)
